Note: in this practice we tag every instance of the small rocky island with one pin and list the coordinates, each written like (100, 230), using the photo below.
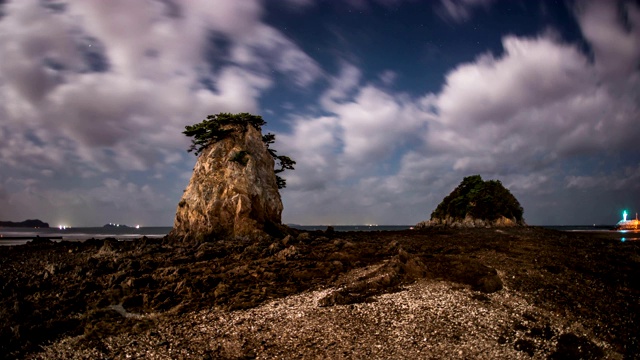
(231, 282)
(477, 203)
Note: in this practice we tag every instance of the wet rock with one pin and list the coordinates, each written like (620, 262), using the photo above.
(289, 253)
(572, 346)
(275, 247)
(132, 302)
(208, 251)
(288, 240)
(109, 247)
(554, 269)
(304, 237)
(471, 272)
(525, 346)
(40, 241)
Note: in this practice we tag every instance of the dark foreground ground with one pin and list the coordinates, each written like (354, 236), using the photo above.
(435, 293)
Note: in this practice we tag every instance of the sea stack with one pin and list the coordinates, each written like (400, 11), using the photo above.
(477, 203)
(233, 191)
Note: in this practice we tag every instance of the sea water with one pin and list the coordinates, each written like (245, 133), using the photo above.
(82, 233)
(131, 233)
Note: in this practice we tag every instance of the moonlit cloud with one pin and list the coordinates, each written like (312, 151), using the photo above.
(92, 87)
(521, 116)
(461, 10)
(95, 95)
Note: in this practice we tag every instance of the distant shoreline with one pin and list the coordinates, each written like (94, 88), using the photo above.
(30, 223)
(131, 233)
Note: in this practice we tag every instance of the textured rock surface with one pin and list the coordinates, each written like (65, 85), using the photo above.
(232, 192)
(321, 295)
(470, 222)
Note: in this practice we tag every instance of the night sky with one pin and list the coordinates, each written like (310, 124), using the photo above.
(385, 104)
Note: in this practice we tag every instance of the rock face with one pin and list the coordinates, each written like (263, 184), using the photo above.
(471, 222)
(232, 192)
(477, 203)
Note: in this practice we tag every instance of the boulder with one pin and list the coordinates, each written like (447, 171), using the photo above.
(233, 191)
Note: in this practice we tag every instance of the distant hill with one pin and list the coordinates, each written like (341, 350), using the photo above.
(35, 223)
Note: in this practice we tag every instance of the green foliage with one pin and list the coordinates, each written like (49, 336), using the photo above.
(217, 127)
(282, 161)
(480, 199)
(240, 157)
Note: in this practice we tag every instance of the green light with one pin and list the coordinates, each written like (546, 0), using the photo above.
(624, 215)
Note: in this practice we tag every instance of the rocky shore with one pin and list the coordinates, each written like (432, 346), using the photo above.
(433, 293)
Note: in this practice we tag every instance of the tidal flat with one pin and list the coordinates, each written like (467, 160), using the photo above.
(507, 293)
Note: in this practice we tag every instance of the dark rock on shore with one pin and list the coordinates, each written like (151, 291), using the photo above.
(571, 346)
(107, 287)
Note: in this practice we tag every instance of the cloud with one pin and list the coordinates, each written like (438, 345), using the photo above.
(96, 88)
(526, 117)
(461, 10)
(388, 77)
(301, 3)
(269, 44)
(96, 94)
(342, 86)
(615, 43)
(366, 123)
(339, 154)
(628, 179)
(375, 123)
(313, 143)
(541, 100)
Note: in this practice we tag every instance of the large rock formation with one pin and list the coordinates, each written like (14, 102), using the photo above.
(477, 203)
(233, 190)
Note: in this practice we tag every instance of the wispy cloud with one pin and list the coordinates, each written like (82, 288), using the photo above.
(461, 10)
(96, 93)
(523, 117)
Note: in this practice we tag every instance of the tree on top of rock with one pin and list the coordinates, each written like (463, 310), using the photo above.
(479, 199)
(217, 127)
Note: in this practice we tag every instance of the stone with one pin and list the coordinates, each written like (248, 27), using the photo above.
(228, 198)
(304, 237)
(572, 346)
(525, 346)
(287, 240)
(288, 254)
